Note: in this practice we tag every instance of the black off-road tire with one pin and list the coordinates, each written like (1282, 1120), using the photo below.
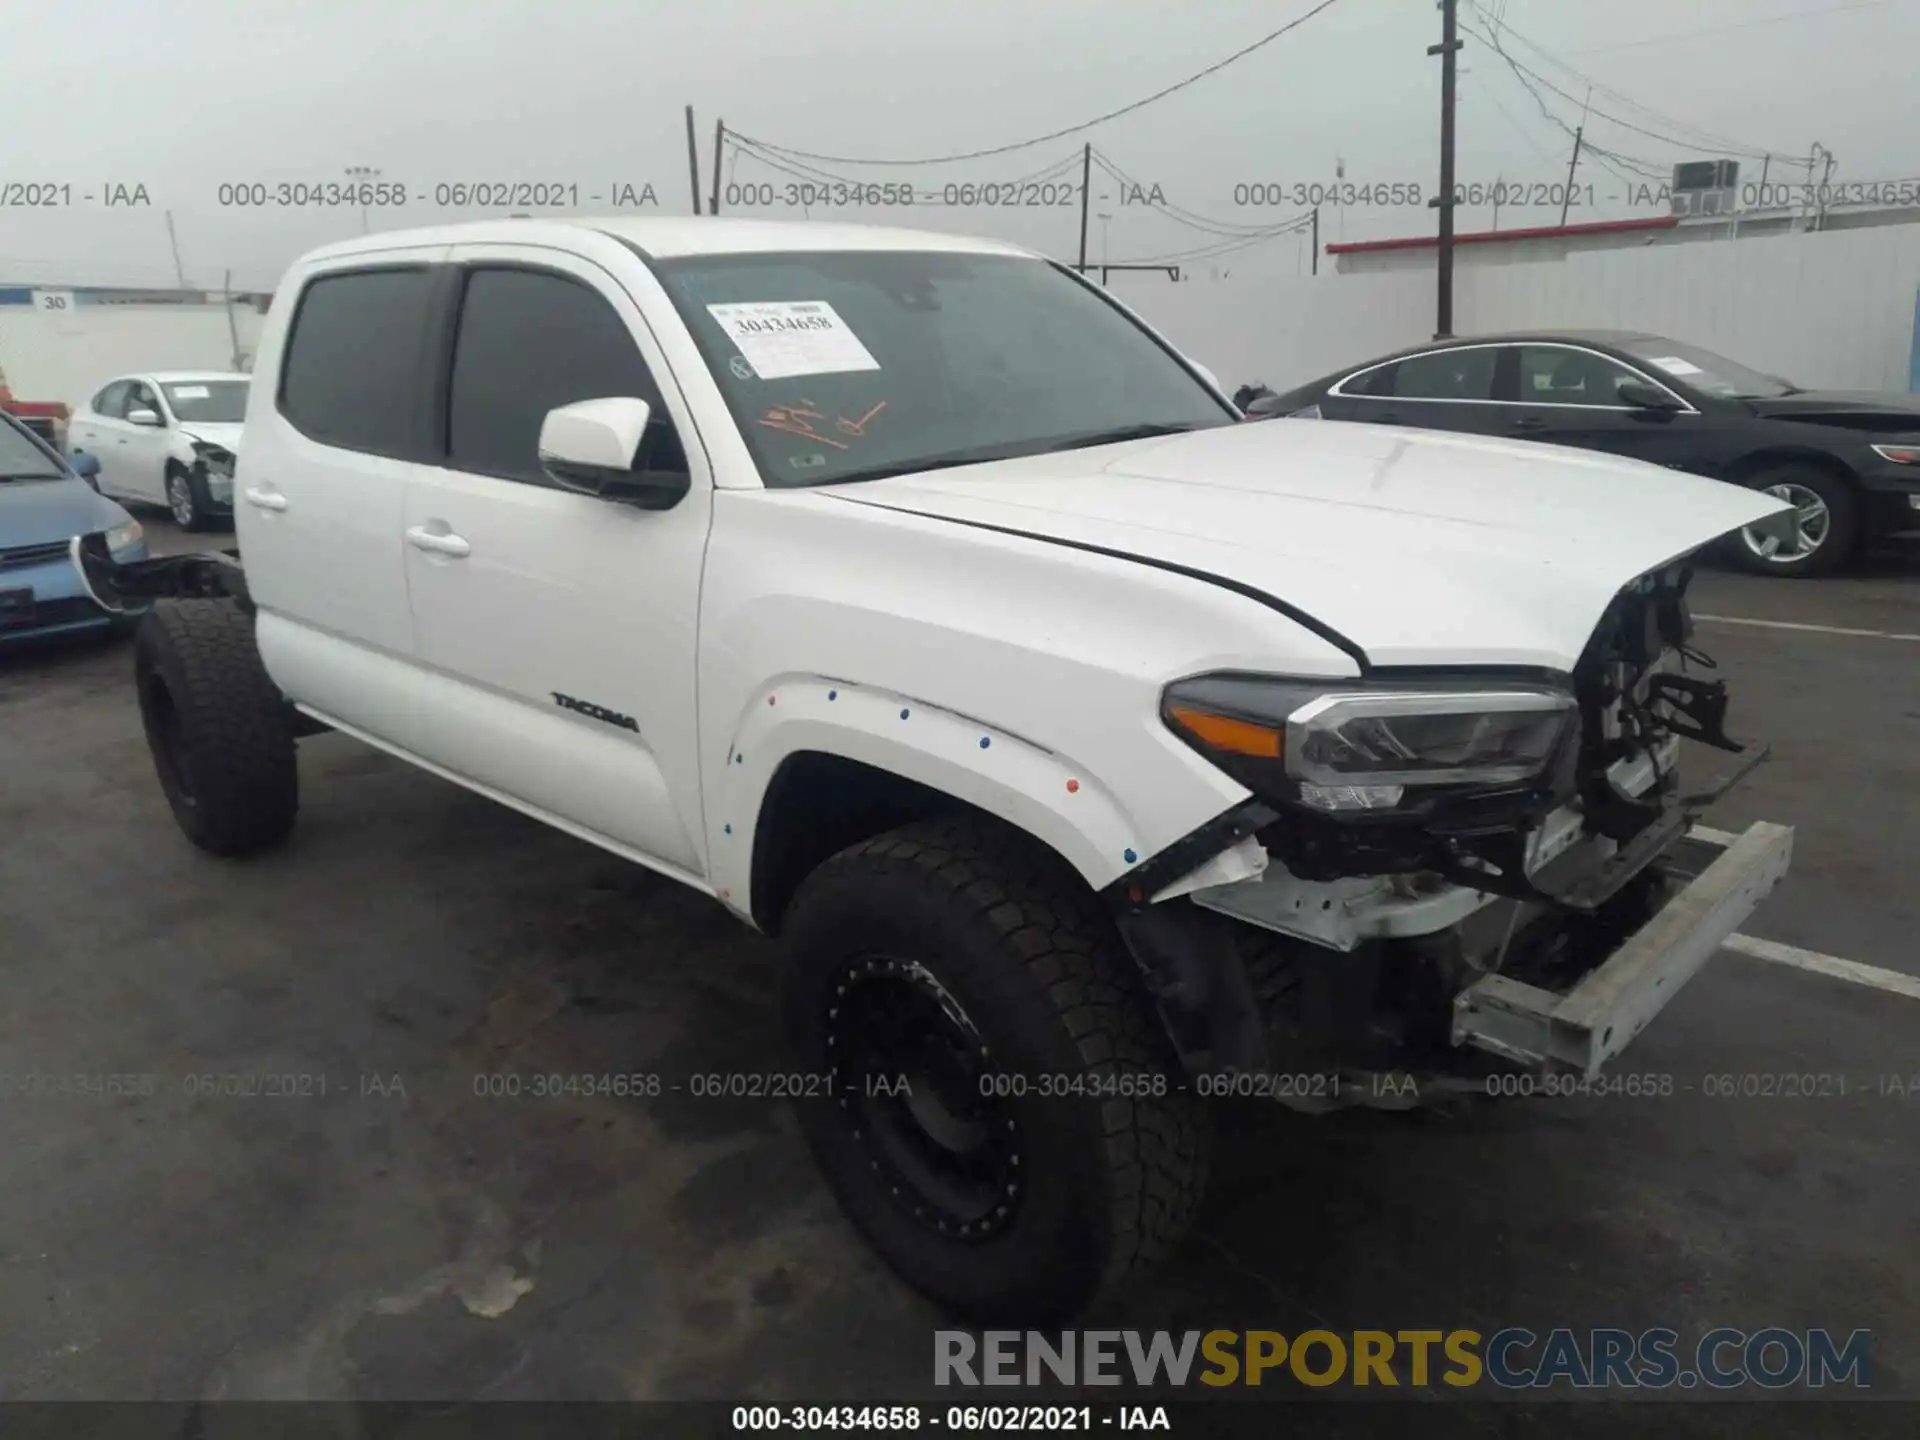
(1842, 539)
(1112, 1164)
(221, 734)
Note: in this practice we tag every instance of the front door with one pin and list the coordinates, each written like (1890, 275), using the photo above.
(1566, 395)
(140, 451)
(95, 430)
(565, 625)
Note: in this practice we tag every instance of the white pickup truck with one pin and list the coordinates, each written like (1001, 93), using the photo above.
(1096, 758)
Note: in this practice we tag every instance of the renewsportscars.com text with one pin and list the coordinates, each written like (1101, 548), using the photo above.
(1514, 1358)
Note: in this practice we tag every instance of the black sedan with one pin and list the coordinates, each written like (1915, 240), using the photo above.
(1850, 464)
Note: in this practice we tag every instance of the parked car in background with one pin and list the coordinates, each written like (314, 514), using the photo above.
(44, 503)
(168, 438)
(1848, 463)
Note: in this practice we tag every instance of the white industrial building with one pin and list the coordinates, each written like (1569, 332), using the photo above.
(57, 345)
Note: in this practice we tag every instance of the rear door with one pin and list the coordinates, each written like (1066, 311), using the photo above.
(560, 626)
(1450, 389)
(339, 417)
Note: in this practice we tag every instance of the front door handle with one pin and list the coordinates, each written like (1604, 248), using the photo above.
(1529, 422)
(422, 538)
(1389, 417)
(265, 499)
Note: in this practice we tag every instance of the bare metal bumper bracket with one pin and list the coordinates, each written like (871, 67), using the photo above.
(1579, 1032)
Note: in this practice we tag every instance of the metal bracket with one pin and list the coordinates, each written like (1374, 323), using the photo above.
(1580, 1031)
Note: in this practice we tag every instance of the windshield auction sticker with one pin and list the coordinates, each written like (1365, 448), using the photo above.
(783, 338)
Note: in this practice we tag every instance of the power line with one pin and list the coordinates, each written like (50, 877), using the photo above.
(1735, 25)
(1210, 252)
(816, 176)
(1693, 141)
(1206, 224)
(1162, 94)
(1640, 165)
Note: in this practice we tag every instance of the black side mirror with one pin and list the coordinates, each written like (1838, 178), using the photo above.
(591, 446)
(1643, 396)
(645, 489)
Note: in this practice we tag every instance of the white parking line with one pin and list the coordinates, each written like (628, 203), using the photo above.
(1832, 966)
(1811, 629)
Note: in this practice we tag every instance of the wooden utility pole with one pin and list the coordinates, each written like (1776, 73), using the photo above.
(1086, 188)
(1447, 49)
(173, 243)
(719, 137)
(1578, 131)
(693, 161)
(1316, 240)
(233, 329)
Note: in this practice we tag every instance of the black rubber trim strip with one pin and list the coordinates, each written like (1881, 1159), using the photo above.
(645, 258)
(1134, 891)
(1299, 617)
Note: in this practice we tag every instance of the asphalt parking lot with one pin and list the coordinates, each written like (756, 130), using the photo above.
(404, 1237)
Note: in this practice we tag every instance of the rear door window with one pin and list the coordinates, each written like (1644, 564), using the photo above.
(351, 374)
(1445, 375)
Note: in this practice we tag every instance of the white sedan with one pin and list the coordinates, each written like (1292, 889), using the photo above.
(168, 438)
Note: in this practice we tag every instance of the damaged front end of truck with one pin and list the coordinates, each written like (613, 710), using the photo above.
(1442, 878)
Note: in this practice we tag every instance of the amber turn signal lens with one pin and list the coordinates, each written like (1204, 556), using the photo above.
(1237, 737)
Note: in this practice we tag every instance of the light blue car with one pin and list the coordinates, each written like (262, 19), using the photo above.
(45, 501)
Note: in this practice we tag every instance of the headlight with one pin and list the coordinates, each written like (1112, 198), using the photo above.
(218, 459)
(122, 537)
(1363, 748)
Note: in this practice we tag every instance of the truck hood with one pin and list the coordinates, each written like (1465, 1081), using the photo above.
(1414, 547)
(36, 512)
(225, 436)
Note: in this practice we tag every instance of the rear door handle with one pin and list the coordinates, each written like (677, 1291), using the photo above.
(422, 538)
(265, 499)
(1529, 422)
(1390, 417)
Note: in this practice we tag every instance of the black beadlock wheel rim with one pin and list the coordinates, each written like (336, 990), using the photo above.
(947, 1150)
(162, 718)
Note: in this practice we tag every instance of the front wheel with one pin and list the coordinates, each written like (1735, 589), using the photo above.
(995, 1108)
(1825, 525)
(187, 500)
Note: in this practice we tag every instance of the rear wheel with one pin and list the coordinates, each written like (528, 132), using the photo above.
(221, 735)
(1825, 525)
(998, 1111)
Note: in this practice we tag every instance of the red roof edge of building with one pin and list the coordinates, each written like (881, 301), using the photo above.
(1491, 237)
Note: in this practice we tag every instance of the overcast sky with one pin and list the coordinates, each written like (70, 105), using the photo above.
(186, 97)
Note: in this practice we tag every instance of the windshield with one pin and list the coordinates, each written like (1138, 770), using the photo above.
(209, 402)
(1703, 370)
(22, 458)
(852, 365)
